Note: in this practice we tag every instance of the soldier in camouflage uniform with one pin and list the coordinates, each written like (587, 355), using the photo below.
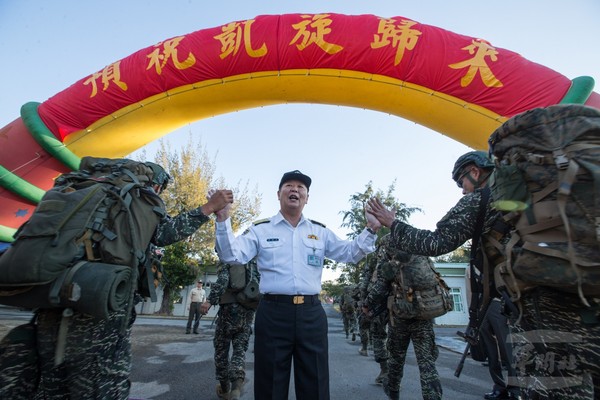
(557, 342)
(378, 322)
(402, 331)
(364, 325)
(455, 228)
(348, 312)
(233, 329)
(96, 361)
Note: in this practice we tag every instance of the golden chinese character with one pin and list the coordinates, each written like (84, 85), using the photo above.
(112, 73)
(319, 24)
(159, 59)
(231, 39)
(481, 50)
(401, 36)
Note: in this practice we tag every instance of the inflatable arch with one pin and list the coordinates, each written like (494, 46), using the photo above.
(460, 86)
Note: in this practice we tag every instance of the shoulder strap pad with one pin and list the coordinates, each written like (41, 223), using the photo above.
(261, 221)
(317, 223)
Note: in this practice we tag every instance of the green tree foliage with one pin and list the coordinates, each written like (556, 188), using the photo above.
(180, 271)
(355, 220)
(193, 174)
(460, 255)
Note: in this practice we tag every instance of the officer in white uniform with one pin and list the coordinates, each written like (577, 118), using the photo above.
(290, 321)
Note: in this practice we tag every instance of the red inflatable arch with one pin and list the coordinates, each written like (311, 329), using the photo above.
(460, 86)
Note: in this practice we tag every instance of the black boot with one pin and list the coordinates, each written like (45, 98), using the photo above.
(382, 373)
(223, 389)
(389, 393)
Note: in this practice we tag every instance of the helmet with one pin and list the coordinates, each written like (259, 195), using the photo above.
(479, 158)
(159, 176)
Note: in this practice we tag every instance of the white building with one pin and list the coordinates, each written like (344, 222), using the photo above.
(454, 276)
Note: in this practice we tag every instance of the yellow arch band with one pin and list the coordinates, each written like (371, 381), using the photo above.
(136, 125)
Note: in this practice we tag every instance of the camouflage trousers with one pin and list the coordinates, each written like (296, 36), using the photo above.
(349, 319)
(378, 335)
(364, 326)
(556, 346)
(423, 339)
(97, 356)
(233, 329)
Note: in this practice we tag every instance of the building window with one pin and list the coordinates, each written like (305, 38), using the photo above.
(457, 297)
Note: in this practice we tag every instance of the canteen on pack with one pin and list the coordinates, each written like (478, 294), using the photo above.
(86, 241)
(243, 287)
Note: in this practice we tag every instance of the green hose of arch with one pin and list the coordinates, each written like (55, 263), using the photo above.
(54, 147)
(580, 90)
(45, 138)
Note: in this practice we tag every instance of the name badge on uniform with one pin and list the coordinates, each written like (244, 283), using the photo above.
(314, 260)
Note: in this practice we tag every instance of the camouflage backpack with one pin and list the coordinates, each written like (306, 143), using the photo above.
(418, 291)
(243, 287)
(86, 242)
(547, 180)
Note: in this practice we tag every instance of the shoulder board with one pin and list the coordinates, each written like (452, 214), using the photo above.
(318, 223)
(261, 221)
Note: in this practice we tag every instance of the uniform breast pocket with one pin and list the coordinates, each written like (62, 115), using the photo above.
(315, 252)
(271, 244)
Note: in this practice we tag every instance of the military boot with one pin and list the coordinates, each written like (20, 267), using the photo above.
(363, 350)
(392, 395)
(223, 389)
(236, 389)
(383, 373)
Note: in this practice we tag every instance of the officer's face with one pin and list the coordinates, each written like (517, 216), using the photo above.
(293, 195)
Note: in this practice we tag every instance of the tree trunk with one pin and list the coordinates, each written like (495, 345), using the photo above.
(166, 306)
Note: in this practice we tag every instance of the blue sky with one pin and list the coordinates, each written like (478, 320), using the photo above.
(48, 45)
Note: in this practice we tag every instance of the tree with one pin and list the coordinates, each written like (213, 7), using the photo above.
(356, 221)
(460, 255)
(193, 174)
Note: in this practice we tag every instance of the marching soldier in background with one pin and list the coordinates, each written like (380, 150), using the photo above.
(402, 331)
(233, 328)
(378, 322)
(348, 312)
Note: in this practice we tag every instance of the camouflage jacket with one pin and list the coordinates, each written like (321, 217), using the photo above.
(174, 229)
(454, 229)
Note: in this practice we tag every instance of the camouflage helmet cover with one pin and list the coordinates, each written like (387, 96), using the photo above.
(479, 158)
(159, 176)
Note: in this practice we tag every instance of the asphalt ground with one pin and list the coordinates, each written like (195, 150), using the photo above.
(168, 364)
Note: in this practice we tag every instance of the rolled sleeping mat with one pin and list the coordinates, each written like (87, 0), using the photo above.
(95, 288)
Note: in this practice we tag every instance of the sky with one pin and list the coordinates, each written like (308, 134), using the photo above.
(48, 45)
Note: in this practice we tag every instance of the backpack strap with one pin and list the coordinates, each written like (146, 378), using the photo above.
(475, 280)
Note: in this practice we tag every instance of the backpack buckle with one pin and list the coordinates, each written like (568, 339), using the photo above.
(561, 160)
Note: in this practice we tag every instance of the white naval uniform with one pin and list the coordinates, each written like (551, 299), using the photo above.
(290, 260)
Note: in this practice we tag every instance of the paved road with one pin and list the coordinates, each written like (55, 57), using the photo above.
(170, 365)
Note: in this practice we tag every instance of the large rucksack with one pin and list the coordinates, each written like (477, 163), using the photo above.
(86, 241)
(418, 290)
(243, 286)
(547, 180)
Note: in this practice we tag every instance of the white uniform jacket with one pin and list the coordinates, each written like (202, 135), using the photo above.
(290, 260)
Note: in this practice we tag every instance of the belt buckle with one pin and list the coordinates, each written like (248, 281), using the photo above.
(298, 300)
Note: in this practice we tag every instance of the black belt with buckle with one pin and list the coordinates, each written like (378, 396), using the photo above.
(292, 299)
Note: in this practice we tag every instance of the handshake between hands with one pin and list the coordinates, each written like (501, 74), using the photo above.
(377, 214)
(218, 202)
